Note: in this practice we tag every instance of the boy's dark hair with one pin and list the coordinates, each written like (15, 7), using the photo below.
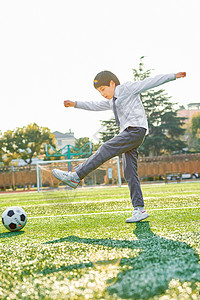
(104, 78)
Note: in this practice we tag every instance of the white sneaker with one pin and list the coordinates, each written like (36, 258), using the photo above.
(70, 178)
(137, 216)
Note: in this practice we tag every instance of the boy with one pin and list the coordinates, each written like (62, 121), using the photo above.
(129, 113)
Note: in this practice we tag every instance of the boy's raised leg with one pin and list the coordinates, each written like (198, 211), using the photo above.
(127, 140)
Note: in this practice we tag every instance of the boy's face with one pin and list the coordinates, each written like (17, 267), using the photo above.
(107, 91)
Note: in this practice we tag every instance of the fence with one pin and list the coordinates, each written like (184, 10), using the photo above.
(25, 177)
(17, 177)
(165, 165)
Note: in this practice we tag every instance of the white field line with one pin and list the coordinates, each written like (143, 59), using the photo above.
(114, 212)
(108, 200)
(76, 195)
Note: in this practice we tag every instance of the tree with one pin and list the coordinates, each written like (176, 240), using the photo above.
(82, 142)
(8, 147)
(165, 127)
(1, 147)
(194, 136)
(111, 129)
(195, 125)
(27, 142)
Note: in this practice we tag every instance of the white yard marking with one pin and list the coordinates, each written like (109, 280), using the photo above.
(108, 200)
(114, 212)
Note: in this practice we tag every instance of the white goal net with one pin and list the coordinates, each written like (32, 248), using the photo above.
(107, 174)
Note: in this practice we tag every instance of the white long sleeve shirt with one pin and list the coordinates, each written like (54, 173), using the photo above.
(129, 106)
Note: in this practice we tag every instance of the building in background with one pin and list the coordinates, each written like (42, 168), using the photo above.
(63, 139)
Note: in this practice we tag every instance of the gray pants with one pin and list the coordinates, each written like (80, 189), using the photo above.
(127, 143)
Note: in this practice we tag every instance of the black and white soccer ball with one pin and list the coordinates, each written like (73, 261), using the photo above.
(14, 218)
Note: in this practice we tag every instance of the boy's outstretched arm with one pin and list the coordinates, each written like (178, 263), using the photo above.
(88, 105)
(68, 103)
(180, 74)
(138, 87)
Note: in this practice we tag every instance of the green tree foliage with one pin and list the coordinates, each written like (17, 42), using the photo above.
(81, 142)
(194, 136)
(8, 147)
(111, 129)
(165, 127)
(195, 125)
(26, 142)
(1, 147)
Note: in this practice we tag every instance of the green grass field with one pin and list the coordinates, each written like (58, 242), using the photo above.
(76, 245)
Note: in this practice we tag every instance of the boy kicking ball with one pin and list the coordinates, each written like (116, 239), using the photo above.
(124, 100)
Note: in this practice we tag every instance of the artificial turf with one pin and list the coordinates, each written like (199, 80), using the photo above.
(76, 245)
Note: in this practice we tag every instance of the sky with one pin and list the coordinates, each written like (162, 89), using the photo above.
(50, 51)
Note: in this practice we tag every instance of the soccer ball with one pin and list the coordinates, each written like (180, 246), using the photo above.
(14, 218)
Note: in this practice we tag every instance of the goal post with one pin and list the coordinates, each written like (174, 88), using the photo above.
(108, 173)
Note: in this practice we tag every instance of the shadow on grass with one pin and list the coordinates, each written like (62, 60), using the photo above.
(10, 234)
(159, 261)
